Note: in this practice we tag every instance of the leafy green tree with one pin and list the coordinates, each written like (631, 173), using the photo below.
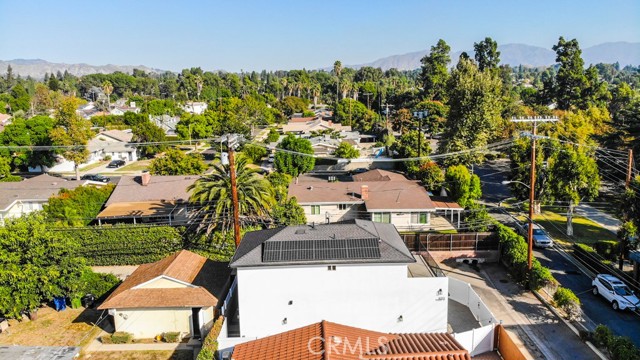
(437, 114)
(628, 236)
(175, 162)
(355, 114)
(273, 136)
(293, 104)
(431, 175)
(570, 80)
(487, 54)
(347, 151)
(254, 153)
(148, 132)
(280, 183)
(20, 99)
(213, 191)
(595, 91)
(292, 161)
(434, 73)
(77, 207)
(36, 264)
(463, 187)
(73, 132)
(474, 115)
(31, 132)
(5, 171)
(407, 147)
(288, 212)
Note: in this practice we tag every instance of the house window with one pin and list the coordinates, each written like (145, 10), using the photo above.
(315, 209)
(420, 218)
(331, 268)
(343, 206)
(382, 217)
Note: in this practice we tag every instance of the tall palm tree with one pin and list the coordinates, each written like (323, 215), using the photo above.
(213, 192)
(108, 89)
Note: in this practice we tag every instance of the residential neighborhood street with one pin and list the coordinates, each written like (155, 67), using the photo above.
(595, 308)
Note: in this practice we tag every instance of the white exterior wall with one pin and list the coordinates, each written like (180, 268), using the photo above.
(20, 208)
(369, 296)
(147, 323)
(335, 214)
(402, 220)
(162, 283)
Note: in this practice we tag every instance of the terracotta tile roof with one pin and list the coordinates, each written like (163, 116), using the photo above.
(207, 276)
(167, 188)
(330, 341)
(387, 191)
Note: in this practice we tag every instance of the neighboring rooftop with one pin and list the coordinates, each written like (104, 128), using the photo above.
(207, 277)
(160, 188)
(353, 241)
(386, 191)
(327, 340)
(37, 188)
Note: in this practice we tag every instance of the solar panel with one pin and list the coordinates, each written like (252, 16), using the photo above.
(319, 250)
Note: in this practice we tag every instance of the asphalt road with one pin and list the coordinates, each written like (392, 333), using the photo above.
(596, 309)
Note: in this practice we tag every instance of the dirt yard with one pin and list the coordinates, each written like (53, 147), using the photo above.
(51, 328)
(139, 355)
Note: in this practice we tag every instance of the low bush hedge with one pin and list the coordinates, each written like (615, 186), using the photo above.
(567, 301)
(619, 347)
(171, 337)
(120, 337)
(210, 343)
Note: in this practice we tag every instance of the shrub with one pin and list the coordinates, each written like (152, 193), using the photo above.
(586, 248)
(210, 343)
(273, 136)
(567, 301)
(106, 339)
(541, 277)
(608, 249)
(602, 336)
(254, 152)
(622, 348)
(107, 158)
(121, 337)
(171, 337)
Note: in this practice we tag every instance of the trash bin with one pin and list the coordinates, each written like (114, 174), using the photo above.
(59, 303)
(88, 300)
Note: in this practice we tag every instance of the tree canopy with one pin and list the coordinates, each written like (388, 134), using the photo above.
(291, 163)
(175, 162)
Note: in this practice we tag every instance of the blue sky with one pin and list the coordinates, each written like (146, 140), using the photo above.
(292, 34)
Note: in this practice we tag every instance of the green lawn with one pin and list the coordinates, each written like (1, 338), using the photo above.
(584, 230)
(136, 166)
(92, 166)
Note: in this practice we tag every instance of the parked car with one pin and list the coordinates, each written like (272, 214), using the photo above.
(616, 292)
(359, 171)
(116, 164)
(95, 177)
(540, 237)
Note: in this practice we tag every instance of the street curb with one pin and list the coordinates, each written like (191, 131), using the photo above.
(570, 325)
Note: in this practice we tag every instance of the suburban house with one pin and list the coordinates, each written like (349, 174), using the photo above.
(176, 294)
(327, 340)
(120, 109)
(5, 120)
(356, 272)
(307, 125)
(148, 199)
(20, 198)
(378, 195)
(114, 144)
(166, 122)
(194, 107)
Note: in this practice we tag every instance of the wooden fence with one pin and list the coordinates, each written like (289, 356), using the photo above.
(507, 347)
(451, 242)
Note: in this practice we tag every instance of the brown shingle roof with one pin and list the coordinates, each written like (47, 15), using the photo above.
(330, 341)
(183, 266)
(167, 188)
(387, 191)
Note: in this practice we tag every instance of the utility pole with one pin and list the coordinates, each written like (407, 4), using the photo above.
(629, 168)
(234, 194)
(386, 111)
(535, 120)
(367, 94)
(420, 115)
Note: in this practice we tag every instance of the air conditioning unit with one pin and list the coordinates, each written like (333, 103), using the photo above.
(226, 355)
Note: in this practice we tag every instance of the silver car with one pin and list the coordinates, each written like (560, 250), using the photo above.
(540, 237)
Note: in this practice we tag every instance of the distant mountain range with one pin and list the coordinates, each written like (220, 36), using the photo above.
(36, 68)
(520, 54)
(513, 54)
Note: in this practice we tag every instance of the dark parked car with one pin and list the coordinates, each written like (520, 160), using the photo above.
(95, 177)
(116, 164)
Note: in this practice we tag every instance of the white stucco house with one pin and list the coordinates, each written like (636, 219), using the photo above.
(355, 272)
(20, 198)
(115, 144)
(121, 109)
(194, 107)
(377, 195)
(176, 294)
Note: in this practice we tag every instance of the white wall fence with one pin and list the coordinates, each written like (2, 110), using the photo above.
(479, 340)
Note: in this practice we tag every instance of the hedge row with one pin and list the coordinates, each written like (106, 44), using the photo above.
(126, 244)
(514, 254)
(210, 343)
(618, 347)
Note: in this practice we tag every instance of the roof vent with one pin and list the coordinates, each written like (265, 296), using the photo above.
(310, 188)
(301, 231)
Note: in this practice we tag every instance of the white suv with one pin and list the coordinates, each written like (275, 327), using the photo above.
(615, 291)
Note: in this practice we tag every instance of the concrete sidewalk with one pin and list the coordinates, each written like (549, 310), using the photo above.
(538, 332)
(605, 220)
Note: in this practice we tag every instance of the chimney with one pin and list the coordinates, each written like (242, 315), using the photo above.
(146, 178)
(364, 192)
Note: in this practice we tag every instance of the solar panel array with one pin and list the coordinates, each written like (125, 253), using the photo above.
(319, 250)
